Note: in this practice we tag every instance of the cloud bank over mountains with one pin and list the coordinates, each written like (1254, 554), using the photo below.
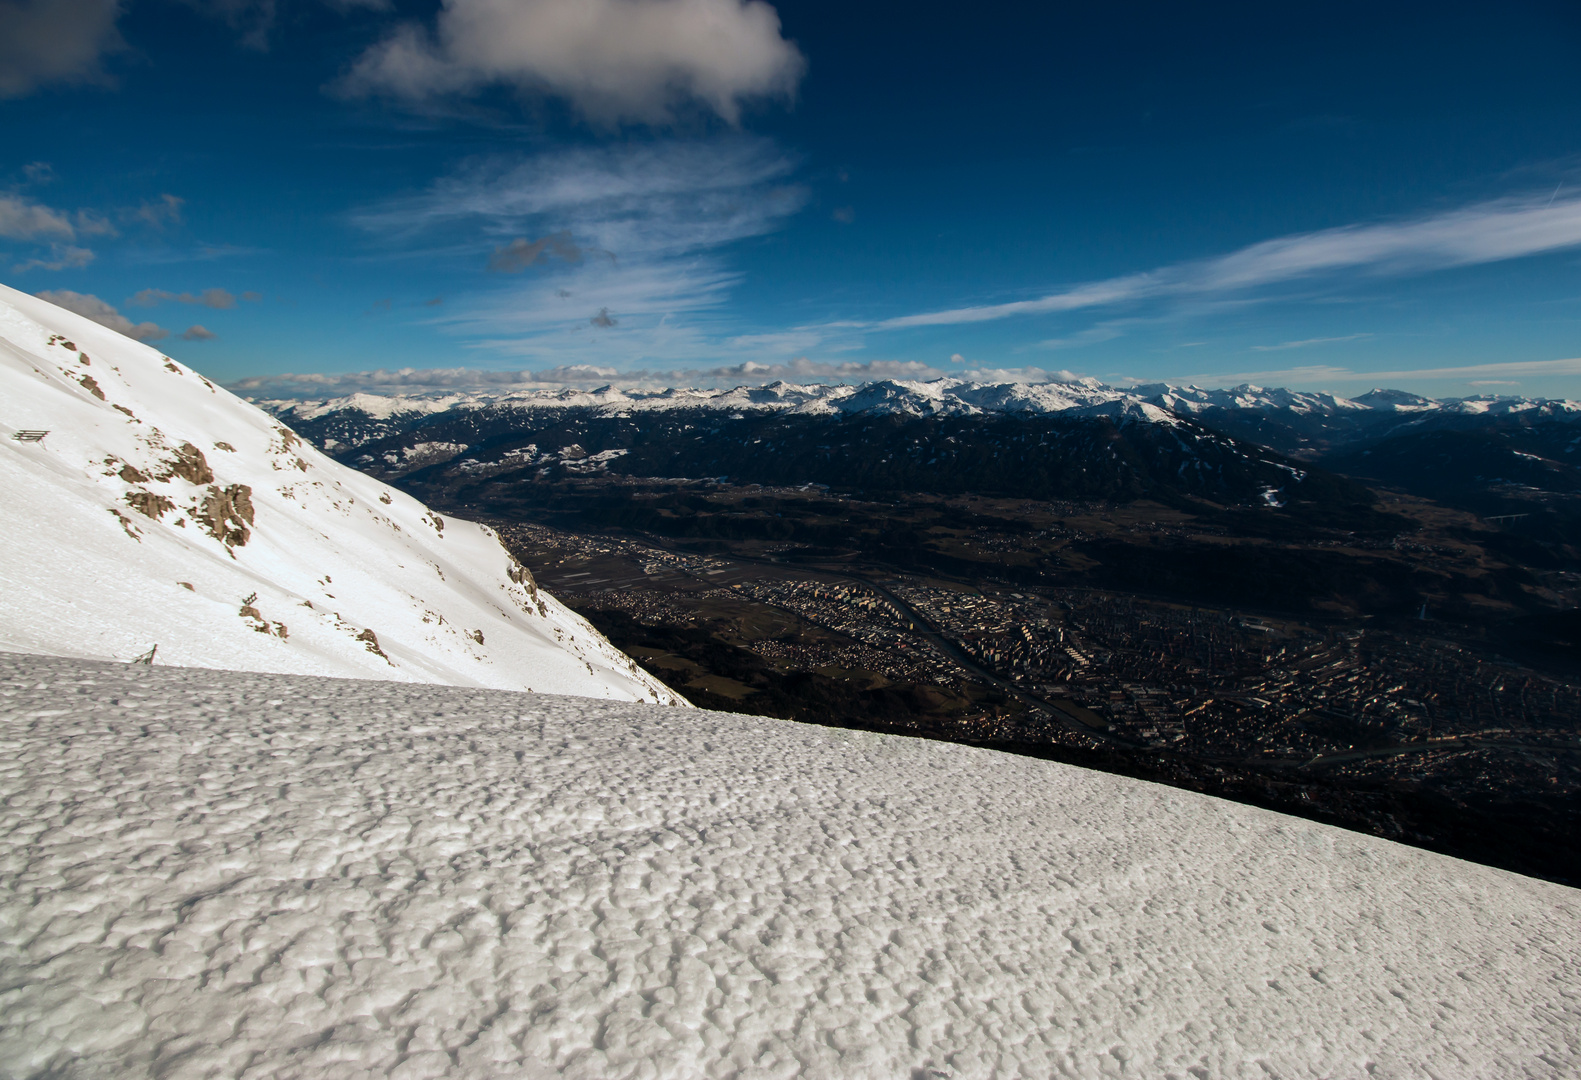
(311, 385)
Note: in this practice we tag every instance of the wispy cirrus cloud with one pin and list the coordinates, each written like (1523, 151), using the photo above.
(1305, 342)
(659, 217)
(158, 213)
(1487, 232)
(663, 197)
(1094, 335)
(60, 257)
(218, 299)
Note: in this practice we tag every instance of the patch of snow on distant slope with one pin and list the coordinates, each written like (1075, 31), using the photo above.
(218, 874)
(377, 406)
(161, 509)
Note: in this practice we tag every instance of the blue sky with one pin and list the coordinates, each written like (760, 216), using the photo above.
(701, 191)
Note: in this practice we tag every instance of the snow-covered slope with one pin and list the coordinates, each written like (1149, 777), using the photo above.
(164, 510)
(206, 874)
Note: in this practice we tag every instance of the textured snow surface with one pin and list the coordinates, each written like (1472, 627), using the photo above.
(209, 874)
(164, 510)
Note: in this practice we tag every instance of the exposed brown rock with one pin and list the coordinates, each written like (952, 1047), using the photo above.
(149, 504)
(372, 641)
(126, 523)
(90, 385)
(189, 464)
(132, 476)
(227, 514)
(224, 446)
(520, 575)
(262, 625)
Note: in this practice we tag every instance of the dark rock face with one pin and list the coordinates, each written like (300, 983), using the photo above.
(227, 513)
(189, 464)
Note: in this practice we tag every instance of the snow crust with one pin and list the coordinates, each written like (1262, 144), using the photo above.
(208, 874)
(164, 510)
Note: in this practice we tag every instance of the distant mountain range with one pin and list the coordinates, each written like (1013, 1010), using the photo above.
(1248, 444)
(142, 505)
(1306, 415)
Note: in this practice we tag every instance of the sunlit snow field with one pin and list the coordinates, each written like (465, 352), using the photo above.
(218, 874)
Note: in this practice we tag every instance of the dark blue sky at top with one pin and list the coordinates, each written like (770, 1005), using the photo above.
(936, 159)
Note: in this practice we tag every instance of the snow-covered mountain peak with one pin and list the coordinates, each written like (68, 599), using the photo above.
(161, 509)
(1385, 400)
(383, 407)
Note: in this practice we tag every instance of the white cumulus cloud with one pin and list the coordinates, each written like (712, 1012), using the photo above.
(23, 219)
(614, 61)
(43, 42)
(91, 307)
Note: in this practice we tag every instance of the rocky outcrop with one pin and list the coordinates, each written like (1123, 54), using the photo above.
(189, 464)
(227, 513)
(149, 504)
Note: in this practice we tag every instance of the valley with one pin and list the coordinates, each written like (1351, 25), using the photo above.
(1149, 603)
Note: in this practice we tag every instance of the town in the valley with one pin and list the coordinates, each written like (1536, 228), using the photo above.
(1334, 720)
